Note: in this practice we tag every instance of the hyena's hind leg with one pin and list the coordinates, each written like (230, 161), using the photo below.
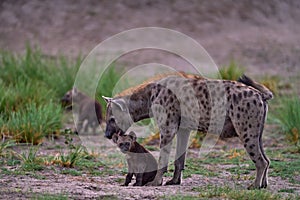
(265, 176)
(250, 134)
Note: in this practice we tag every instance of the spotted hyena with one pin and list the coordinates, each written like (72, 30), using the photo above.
(181, 104)
(141, 163)
(89, 111)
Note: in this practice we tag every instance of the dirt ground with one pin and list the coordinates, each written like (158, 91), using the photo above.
(262, 36)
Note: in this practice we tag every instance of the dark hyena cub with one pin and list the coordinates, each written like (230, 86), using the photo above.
(89, 111)
(141, 162)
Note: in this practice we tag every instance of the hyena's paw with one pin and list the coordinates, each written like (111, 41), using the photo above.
(155, 182)
(254, 187)
(173, 182)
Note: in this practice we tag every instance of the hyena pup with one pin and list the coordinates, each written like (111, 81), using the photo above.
(141, 162)
(88, 110)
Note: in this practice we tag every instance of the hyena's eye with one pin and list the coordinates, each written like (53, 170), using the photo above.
(111, 120)
(127, 144)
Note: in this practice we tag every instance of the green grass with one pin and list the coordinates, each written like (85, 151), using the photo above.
(50, 197)
(226, 192)
(107, 83)
(232, 71)
(288, 117)
(31, 86)
(31, 162)
(32, 123)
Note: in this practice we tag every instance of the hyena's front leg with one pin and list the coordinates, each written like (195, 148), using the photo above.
(181, 147)
(164, 154)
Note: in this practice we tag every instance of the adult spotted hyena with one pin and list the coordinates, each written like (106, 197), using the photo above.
(141, 162)
(88, 110)
(180, 104)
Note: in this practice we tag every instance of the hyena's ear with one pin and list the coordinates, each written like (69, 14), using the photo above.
(120, 103)
(132, 135)
(107, 99)
(74, 91)
(115, 138)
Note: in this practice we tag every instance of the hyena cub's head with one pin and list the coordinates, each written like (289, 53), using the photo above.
(67, 99)
(125, 142)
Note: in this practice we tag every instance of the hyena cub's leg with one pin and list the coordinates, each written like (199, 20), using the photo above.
(181, 147)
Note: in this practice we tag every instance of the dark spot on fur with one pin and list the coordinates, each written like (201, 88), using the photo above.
(245, 94)
(245, 145)
(240, 96)
(152, 98)
(167, 123)
(238, 115)
(200, 88)
(206, 95)
(254, 161)
(260, 104)
(250, 93)
(252, 146)
(254, 101)
(231, 106)
(250, 126)
(245, 136)
(245, 129)
(247, 140)
(248, 105)
(252, 154)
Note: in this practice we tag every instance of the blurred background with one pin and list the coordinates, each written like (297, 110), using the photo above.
(262, 35)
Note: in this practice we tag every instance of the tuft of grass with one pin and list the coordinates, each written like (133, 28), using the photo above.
(226, 192)
(232, 71)
(288, 116)
(31, 86)
(31, 124)
(272, 83)
(3, 146)
(30, 160)
(70, 159)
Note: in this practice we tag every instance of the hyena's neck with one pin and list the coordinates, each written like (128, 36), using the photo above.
(139, 103)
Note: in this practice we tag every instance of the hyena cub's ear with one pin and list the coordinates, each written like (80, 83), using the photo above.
(132, 135)
(115, 138)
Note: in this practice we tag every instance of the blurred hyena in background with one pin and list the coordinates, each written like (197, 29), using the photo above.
(88, 110)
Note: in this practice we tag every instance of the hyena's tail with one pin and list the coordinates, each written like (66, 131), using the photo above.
(266, 93)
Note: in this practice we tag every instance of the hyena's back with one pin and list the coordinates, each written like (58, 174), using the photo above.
(203, 104)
